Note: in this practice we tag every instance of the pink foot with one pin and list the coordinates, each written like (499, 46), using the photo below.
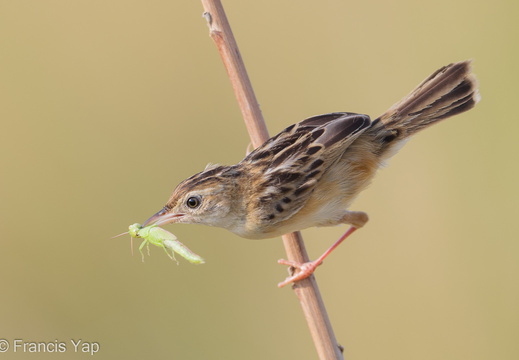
(305, 270)
(308, 268)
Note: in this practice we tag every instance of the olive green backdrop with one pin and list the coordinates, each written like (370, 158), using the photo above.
(106, 105)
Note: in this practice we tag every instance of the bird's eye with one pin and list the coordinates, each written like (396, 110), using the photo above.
(193, 202)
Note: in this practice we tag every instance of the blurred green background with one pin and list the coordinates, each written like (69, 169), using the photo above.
(106, 105)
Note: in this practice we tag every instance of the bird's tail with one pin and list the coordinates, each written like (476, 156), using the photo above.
(449, 91)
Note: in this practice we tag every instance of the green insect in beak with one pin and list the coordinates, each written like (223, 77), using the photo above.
(163, 239)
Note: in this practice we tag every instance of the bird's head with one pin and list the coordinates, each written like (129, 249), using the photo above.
(204, 198)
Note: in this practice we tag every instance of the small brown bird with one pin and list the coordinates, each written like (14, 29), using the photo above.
(309, 174)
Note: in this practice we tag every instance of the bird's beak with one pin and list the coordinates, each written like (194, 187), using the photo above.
(163, 217)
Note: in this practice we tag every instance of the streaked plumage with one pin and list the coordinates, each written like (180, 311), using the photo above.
(308, 174)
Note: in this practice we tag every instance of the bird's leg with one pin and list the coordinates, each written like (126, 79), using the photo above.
(356, 219)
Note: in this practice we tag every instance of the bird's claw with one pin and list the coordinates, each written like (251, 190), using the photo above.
(305, 270)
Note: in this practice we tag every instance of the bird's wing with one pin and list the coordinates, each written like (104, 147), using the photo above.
(291, 163)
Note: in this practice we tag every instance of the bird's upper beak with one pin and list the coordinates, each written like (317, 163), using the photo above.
(163, 217)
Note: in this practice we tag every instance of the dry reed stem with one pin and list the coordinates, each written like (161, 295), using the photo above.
(306, 290)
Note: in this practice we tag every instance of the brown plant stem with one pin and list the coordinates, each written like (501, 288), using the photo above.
(306, 290)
